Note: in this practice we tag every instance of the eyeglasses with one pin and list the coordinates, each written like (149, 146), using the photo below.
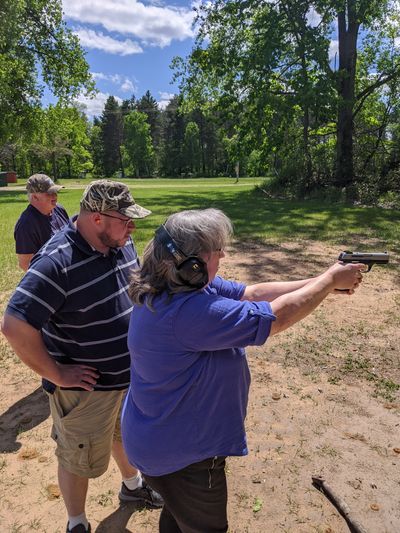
(126, 221)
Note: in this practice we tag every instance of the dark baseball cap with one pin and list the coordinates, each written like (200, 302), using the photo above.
(42, 183)
(108, 195)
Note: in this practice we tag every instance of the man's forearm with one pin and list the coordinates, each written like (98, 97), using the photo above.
(28, 344)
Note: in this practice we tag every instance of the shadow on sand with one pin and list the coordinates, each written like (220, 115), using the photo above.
(118, 520)
(22, 416)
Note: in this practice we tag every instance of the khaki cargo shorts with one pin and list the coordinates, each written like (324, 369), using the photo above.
(84, 427)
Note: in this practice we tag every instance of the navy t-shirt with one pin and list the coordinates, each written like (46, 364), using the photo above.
(33, 229)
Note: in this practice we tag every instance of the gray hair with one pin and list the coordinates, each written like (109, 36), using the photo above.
(196, 232)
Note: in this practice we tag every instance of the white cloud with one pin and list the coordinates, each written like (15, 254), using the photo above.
(125, 84)
(100, 76)
(165, 98)
(155, 25)
(128, 86)
(99, 41)
(94, 106)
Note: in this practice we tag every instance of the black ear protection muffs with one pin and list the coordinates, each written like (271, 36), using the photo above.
(192, 269)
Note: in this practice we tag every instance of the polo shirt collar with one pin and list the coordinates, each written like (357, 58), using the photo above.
(73, 235)
(37, 213)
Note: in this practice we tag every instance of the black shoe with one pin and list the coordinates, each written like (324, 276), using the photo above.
(144, 493)
(80, 528)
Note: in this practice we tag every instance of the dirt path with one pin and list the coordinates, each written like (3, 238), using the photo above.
(324, 400)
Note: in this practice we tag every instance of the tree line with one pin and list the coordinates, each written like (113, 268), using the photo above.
(261, 93)
(138, 139)
(134, 138)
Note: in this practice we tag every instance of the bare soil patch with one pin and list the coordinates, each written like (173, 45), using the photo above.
(324, 400)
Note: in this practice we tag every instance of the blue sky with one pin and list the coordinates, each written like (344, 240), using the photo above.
(130, 45)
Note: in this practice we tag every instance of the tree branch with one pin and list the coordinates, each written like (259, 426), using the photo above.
(363, 95)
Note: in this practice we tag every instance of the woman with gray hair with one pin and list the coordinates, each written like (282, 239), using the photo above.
(186, 406)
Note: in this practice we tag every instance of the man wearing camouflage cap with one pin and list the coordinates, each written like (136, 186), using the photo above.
(40, 220)
(68, 321)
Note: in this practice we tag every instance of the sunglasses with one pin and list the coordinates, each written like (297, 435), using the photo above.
(126, 221)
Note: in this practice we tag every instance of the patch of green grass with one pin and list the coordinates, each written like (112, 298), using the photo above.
(386, 389)
(352, 364)
(362, 367)
(257, 505)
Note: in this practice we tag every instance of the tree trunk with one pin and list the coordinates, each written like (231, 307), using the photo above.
(121, 165)
(68, 161)
(54, 163)
(306, 122)
(348, 33)
(306, 143)
(202, 144)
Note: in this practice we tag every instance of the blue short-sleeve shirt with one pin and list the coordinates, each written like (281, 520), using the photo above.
(190, 377)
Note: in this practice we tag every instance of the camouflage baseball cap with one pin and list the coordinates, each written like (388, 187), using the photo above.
(42, 183)
(107, 195)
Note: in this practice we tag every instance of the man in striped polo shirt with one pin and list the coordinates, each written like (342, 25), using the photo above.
(68, 321)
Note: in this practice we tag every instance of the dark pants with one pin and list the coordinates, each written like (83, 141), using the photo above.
(195, 498)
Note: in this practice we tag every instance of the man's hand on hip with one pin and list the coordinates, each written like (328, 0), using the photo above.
(82, 376)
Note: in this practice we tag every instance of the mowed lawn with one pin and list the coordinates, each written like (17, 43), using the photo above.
(255, 217)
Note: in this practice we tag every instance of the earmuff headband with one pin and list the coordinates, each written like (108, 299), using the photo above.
(163, 237)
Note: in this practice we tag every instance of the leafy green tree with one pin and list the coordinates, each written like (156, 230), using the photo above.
(96, 147)
(112, 133)
(192, 147)
(212, 153)
(235, 156)
(68, 141)
(138, 145)
(36, 49)
(148, 105)
(172, 161)
(58, 145)
(257, 62)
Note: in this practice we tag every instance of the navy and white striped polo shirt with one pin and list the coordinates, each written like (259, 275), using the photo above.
(79, 298)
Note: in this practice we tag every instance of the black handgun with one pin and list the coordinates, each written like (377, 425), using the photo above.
(366, 258)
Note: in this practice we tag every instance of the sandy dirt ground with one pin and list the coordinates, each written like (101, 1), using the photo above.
(324, 401)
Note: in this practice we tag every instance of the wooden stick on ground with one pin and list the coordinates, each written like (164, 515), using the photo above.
(339, 503)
